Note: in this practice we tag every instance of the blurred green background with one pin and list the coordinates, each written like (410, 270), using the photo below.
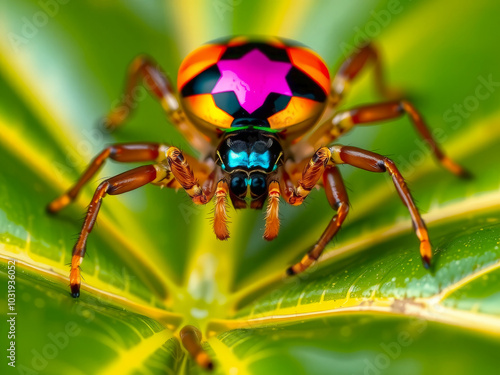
(153, 263)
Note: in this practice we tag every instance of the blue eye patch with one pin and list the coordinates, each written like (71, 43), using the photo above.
(262, 160)
(239, 159)
(243, 160)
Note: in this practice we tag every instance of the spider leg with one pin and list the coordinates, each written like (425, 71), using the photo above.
(338, 199)
(174, 161)
(125, 152)
(119, 184)
(295, 195)
(373, 162)
(156, 81)
(191, 340)
(349, 70)
(344, 121)
(311, 174)
(170, 160)
(119, 152)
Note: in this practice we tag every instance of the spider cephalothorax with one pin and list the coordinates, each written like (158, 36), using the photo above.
(250, 158)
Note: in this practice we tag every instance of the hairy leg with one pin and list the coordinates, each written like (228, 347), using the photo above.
(338, 199)
(344, 121)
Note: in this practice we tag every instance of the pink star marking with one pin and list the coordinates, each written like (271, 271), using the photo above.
(252, 78)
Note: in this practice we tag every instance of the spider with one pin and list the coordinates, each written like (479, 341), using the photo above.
(262, 115)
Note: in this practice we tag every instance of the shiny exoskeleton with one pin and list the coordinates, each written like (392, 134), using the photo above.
(262, 114)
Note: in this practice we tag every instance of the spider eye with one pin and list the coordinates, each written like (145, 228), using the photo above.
(258, 184)
(238, 184)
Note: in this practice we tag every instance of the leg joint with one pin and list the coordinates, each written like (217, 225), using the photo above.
(342, 207)
(103, 187)
(312, 256)
(388, 165)
(382, 164)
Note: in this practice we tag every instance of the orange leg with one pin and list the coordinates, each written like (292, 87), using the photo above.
(310, 176)
(337, 197)
(349, 70)
(344, 121)
(173, 162)
(170, 162)
(191, 340)
(132, 152)
(160, 86)
(120, 184)
(377, 163)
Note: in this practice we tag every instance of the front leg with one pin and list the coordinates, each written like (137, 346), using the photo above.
(124, 153)
(311, 174)
(317, 167)
(175, 162)
(373, 162)
(122, 183)
(337, 197)
(172, 161)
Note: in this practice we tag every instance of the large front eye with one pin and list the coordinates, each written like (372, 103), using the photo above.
(239, 184)
(258, 184)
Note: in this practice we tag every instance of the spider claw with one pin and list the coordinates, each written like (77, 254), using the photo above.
(466, 175)
(58, 204)
(426, 261)
(75, 290)
(455, 168)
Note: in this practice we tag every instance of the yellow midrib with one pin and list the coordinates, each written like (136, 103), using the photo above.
(429, 308)
(230, 360)
(132, 359)
(168, 319)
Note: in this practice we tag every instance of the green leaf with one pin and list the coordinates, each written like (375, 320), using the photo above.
(153, 264)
